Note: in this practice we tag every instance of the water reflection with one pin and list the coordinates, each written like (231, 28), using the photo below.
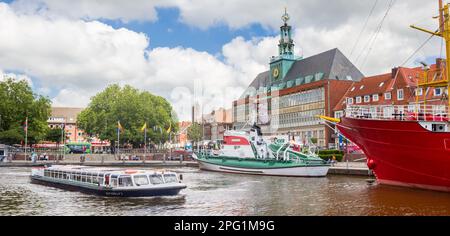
(211, 193)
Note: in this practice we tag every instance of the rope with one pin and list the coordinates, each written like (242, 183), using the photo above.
(364, 27)
(377, 32)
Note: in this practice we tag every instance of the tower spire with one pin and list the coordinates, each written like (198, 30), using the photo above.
(286, 45)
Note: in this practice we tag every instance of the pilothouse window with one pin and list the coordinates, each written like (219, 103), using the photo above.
(125, 181)
(141, 180)
(170, 178)
(156, 179)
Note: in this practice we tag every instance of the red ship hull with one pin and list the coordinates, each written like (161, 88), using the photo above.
(402, 153)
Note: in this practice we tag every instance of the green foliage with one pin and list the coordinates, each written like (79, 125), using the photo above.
(314, 140)
(328, 154)
(195, 132)
(54, 135)
(17, 103)
(132, 108)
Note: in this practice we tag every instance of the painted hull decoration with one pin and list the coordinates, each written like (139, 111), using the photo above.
(248, 153)
(111, 182)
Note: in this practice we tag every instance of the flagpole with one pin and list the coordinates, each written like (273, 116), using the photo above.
(145, 142)
(26, 137)
(118, 139)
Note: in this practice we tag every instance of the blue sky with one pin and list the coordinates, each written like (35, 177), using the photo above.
(168, 31)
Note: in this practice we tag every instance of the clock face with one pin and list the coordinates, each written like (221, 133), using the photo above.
(276, 72)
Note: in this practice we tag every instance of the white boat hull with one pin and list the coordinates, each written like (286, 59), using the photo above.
(303, 171)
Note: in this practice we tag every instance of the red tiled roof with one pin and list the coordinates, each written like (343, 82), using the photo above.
(370, 85)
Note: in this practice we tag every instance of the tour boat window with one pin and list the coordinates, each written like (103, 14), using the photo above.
(156, 179)
(125, 181)
(89, 179)
(114, 182)
(100, 180)
(140, 180)
(170, 178)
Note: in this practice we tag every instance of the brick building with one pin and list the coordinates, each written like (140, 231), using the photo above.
(288, 97)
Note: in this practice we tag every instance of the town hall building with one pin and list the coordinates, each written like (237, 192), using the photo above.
(287, 98)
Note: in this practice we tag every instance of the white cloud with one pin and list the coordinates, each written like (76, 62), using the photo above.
(142, 10)
(19, 77)
(58, 43)
(77, 59)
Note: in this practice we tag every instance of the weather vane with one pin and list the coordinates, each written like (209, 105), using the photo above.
(285, 17)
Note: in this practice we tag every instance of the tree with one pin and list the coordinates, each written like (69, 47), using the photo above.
(132, 108)
(54, 135)
(18, 102)
(194, 132)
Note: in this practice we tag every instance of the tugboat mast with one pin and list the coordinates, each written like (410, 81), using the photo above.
(444, 32)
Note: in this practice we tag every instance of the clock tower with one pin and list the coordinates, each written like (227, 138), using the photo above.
(280, 65)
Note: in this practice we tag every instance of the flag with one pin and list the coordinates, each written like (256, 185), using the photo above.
(119, 127)
(170, 128)
(25, 125)
(144, 127)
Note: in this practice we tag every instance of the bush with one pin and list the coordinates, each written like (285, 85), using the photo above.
(328, 155)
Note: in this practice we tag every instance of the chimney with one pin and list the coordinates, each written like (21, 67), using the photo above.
(440, 63)
(394, 72)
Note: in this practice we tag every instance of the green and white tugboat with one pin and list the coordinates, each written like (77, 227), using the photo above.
(248, 153)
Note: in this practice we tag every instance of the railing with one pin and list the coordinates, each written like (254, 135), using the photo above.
(400, 112)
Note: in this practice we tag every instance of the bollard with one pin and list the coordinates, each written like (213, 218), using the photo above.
(181, 159)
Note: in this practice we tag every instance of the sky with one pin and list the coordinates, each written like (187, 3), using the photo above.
(197, 51)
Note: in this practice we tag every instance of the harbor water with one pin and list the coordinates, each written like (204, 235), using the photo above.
(210, 193)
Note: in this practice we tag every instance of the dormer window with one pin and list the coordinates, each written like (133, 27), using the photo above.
(360, 88)
(353, 89)
(381, 84)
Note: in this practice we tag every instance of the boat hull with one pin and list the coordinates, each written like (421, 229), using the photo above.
(165, 191)
(291, 171)
(402, 153)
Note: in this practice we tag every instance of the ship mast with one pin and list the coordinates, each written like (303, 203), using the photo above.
(444, 32)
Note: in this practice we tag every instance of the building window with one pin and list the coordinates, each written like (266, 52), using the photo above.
(438, 92)
(381, 84)
(338, 114)
(353, 89)
(349, 101)
(419, 91)
(366, 98)
(400, 94)
(360, 88)
(375, 98)
(358, 100)
(387, 96)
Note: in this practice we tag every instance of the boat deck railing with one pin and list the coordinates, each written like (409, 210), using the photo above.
(399, 112)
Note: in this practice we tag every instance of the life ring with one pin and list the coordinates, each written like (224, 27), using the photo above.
(130, 171)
